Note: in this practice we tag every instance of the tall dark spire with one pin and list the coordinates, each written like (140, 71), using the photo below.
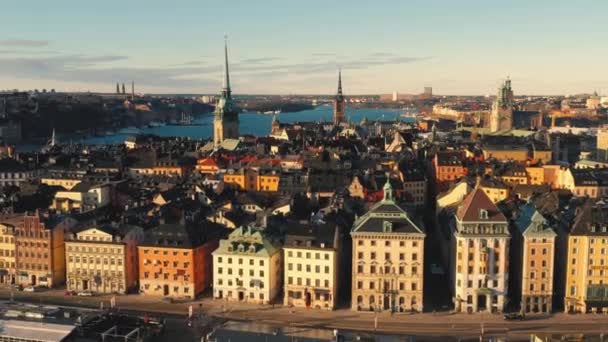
(226, 86)
(340, 82)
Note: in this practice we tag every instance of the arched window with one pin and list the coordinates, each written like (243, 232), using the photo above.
(372, 300)
(359, 299)
(413, 300)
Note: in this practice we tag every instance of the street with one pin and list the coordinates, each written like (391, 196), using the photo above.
(425, 324)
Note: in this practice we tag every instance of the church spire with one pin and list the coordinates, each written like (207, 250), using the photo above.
(226, 87)
(340, 82)
(53, 138)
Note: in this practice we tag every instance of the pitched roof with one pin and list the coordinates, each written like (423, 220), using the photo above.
(592, 219)
(387, 214)
(471, 206)
(531, 222)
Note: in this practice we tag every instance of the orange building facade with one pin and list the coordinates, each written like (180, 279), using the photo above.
(175, 262)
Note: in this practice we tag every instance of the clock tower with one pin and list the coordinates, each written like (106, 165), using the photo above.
(501, 117)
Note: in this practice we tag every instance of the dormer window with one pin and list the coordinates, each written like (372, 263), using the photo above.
(483, 214)
(252, 249)
(241, 248)
(603, 229)
(387, 227)
(593, 228)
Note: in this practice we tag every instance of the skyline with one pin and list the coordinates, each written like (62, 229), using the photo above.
(469, 48)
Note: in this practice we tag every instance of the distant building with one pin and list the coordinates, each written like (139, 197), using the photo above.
(449, 167)
(501, 117)
(226, 119)
(82, 197)
(395, 96)
(388, 259)
(339, 110)
(602, 143)
(428, 92)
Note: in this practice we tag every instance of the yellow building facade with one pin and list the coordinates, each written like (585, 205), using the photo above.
(8, 257)
(587, 266)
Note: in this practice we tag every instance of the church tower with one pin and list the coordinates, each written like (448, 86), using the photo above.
(501, 117)
(339, 103)
(226, 120)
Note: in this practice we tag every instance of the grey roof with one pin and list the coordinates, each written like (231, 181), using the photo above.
(386, 216)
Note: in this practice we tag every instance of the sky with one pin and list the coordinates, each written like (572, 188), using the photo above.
(458, 47)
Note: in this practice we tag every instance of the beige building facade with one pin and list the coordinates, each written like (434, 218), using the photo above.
(247, 267)
(388, 259)
(311, 266)
(103, 259)
(537, 261)
(480, 272)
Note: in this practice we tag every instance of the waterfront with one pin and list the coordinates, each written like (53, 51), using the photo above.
(250, 123)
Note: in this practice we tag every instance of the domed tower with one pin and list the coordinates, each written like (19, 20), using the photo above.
(226, 120)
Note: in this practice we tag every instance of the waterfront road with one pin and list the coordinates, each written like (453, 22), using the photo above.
(426, 324)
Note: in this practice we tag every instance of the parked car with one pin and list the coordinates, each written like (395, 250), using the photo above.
(30, 289)
(514, 317)
(85, 294)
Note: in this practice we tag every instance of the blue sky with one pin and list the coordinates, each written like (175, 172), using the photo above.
(289, 46)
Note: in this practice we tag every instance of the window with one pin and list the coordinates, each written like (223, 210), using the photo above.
(373, 255)
(359, 285)
(373, 242)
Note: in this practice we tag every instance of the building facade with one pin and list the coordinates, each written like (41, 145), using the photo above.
(8, 255)
(40, 249)
(587, 269)
(247, 267)
(175, 261)
(481, 251)
(388, 259)
(226, 119)
(537, 261)
(311, 266)
(103, 259)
